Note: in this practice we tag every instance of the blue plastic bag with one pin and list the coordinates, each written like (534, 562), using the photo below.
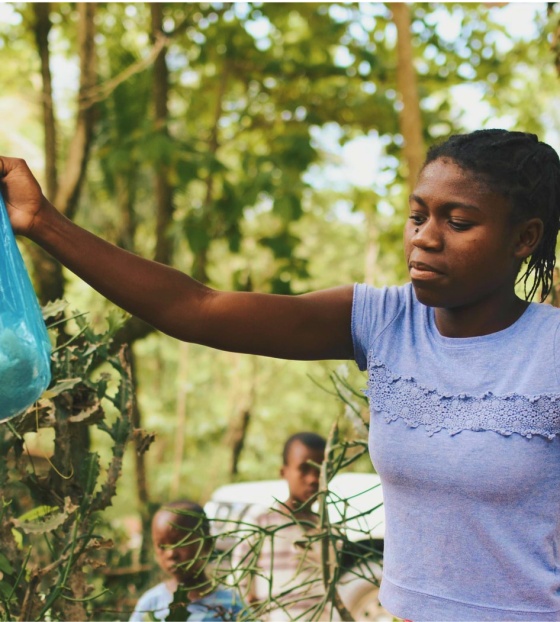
(25, 348)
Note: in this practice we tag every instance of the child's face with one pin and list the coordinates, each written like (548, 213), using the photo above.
(302, 477)
(464, 251)
(184, 562)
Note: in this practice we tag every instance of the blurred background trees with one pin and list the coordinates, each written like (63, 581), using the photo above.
(257, 146)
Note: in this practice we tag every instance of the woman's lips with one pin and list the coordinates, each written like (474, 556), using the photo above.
(420, 271)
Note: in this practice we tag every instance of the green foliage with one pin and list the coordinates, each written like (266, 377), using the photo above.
(51, 504)
(250, 87)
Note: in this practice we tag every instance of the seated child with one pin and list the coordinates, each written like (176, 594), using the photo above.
(181, 538)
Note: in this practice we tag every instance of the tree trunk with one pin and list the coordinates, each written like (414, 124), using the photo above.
(181, 417)
(42, 28)
(238, 440)
(242, 402)
(126, 198)
(555, 41)
(49, 279)
(71, 180)
(163, 189)
(142, 491)
(48, 272)
(63, 190)
(142, 488)
(200, 262)
(410, 118)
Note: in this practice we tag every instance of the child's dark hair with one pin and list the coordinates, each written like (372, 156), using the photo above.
(190, 515)
(527, 173)
(309, 439)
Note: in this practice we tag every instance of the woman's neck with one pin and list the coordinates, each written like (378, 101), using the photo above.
(484, 318)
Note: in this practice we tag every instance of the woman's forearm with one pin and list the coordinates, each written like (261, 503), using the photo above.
(144, 288)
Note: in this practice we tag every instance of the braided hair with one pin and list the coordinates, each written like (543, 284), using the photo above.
(525, 171)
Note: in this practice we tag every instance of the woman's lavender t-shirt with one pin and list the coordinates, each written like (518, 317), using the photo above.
(465, 436)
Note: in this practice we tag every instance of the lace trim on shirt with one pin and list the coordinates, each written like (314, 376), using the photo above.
(401, 397)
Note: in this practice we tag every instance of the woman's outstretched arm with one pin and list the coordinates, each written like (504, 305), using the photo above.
(309, 326)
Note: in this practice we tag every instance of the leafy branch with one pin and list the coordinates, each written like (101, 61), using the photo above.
(48, 527)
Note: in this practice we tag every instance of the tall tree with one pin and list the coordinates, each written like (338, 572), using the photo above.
(43, 26)
(64, 189)
(554, 16)
(410, 118)
(163, 188)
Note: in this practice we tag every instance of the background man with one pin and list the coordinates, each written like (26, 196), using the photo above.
(280, 565)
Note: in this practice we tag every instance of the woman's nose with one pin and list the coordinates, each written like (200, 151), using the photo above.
(427, 236)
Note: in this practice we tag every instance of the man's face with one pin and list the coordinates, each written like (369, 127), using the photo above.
(302, 477)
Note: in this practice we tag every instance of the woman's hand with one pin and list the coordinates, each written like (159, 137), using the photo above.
(22, 194)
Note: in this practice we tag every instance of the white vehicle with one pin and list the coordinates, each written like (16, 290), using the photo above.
(355, 507)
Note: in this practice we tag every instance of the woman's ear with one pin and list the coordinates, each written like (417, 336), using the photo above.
(529, 235)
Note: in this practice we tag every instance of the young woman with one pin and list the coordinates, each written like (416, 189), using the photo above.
(464, 375)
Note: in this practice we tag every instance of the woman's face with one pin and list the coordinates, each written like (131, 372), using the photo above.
(460, 241)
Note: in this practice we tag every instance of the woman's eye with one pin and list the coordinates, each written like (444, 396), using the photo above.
(459, 225)
(417, 219)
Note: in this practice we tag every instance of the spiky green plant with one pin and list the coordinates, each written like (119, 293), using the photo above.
(49, 507)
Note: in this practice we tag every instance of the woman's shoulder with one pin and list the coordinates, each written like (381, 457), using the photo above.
(383, 302)
(382, 311)
(541, 316)
(397, 292)
(546, 309)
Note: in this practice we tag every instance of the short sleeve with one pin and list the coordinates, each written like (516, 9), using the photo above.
(373, 310)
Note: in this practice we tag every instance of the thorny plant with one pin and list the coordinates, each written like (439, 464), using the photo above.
(49, 505)
(340, 531)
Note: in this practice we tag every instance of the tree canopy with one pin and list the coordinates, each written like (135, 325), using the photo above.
(221, 138)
